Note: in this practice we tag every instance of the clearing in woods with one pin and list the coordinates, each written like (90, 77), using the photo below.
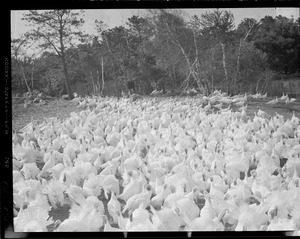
(62, 108)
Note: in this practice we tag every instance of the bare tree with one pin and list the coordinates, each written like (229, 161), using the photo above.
(219, 25)
(250, 25)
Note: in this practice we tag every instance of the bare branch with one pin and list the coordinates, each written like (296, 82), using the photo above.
(248, 32)
(22, 41)
(46, 20)
(49, 41)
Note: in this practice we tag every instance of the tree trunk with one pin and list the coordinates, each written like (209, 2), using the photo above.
(32, 70)
(257, 84)
(212, 83)
(64, 62)
(23, 75)
(174, 76)
(98, 87)
(224, 67)
(24, 78)
(67, 81)
(213, 68)
(94, 88)
(125, 72)
(116, 87)
(102, 76)
(235, 80)
(97, 83)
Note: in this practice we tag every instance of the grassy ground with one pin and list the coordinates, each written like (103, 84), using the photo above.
(55, 108)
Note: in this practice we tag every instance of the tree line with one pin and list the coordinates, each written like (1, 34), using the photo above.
(163, 50)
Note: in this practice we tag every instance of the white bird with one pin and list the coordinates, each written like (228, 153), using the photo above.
(205, 224)
(82, 104)
(76, 194)
(171, 199)
(282, 225)
(283, 97)
(242, 108)
(187, 204)
(208, 212)
(114, 207)
(110, 183)
(56, 171)
(132, 188)
(273, 102)
(261, 113)
(207, 107)
(127, 175)
(264, 96)
(140, 214)
(30, 171)
(142, 198)
(259, 190)
(156, 92)
(76, 99)
(169, 219)
(123, 222)
(32, 219)
(240, 103)
(108, 227)
(55, 192)
(219, 106)
(158, 200)
(252, 217)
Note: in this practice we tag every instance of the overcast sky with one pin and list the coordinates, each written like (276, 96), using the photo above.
(117, 17)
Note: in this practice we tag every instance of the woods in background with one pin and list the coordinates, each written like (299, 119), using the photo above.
(164, 49)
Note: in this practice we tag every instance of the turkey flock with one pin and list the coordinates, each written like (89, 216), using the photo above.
(159, 164)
